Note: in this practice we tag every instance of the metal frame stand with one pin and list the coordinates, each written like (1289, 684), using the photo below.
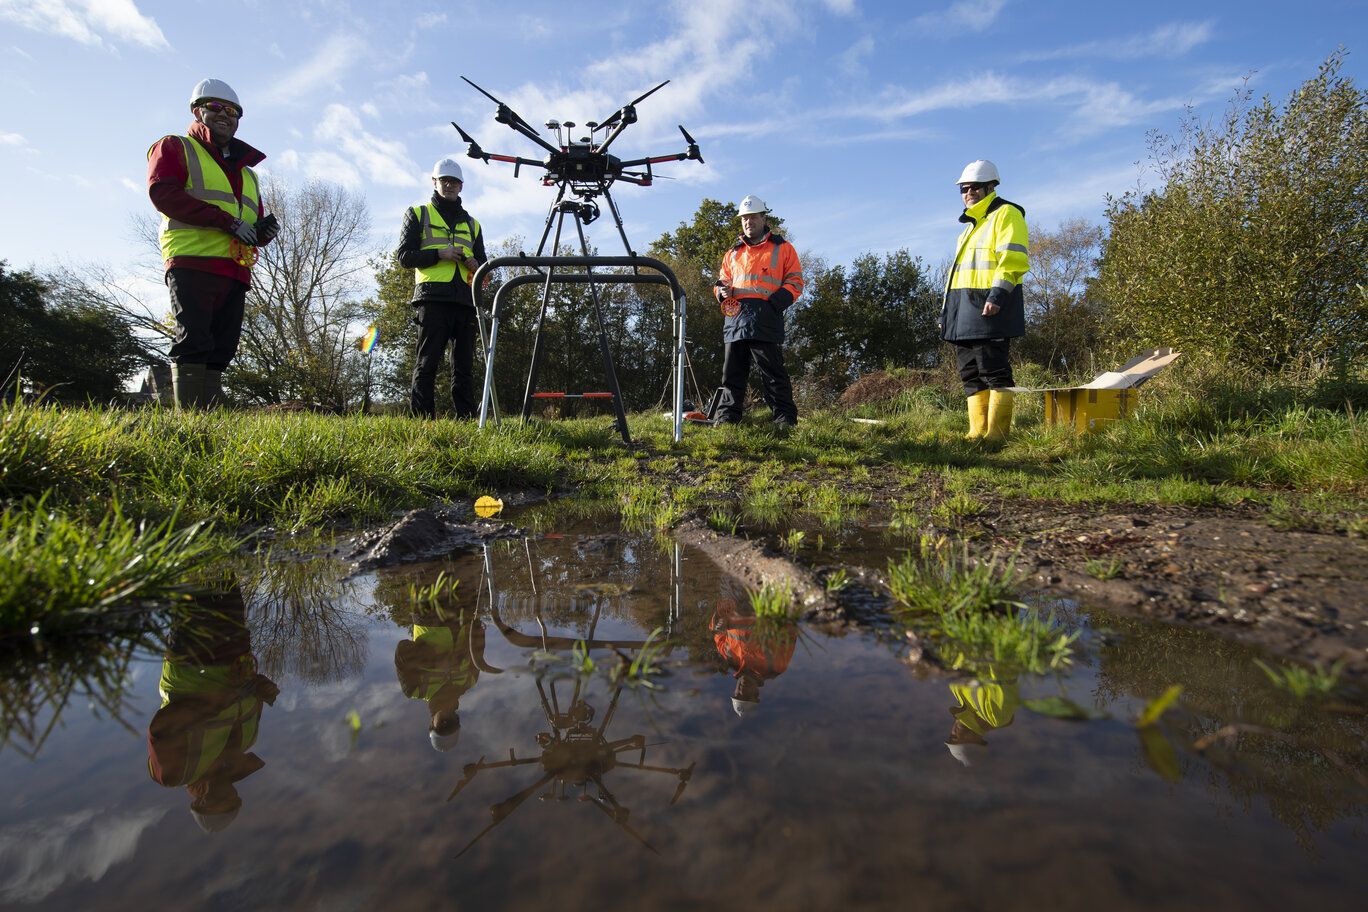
(545, 272)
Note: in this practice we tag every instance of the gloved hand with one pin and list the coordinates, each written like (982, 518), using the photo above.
(243, 232)
(267, 229)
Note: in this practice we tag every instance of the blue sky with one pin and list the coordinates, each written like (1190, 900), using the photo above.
(852, 118)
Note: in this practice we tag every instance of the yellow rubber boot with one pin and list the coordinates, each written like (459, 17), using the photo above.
(978, 416)
(999, 416)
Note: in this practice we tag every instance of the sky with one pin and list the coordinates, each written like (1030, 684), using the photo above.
(851, 118)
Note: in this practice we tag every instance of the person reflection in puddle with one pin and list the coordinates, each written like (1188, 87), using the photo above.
(758, 650)
(981, 705)
(440, 665)
(212, 698)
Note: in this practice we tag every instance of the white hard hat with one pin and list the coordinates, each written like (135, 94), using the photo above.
(979, 172)
(447, 167)
(742, 707)
(965, 752)
(751, 205)
(217, 89)
(215, 822)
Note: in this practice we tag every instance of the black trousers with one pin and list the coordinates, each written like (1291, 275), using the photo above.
(440, 325)
(774, 380)
(983, 364)
(208, 310)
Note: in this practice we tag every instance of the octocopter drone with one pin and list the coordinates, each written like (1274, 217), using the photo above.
(582, 170)
(583, 165)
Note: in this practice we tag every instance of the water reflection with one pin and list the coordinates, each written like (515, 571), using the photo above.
(439, 665)
(301, 620)
(757, 649)
(576, 755)
(982, 705)
(211, 703)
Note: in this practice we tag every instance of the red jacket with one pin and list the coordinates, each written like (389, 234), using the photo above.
(166, 177)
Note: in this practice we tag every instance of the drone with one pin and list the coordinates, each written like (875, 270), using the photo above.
(582, 170)
(584, 165)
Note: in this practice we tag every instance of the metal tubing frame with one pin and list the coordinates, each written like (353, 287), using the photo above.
(665, 277)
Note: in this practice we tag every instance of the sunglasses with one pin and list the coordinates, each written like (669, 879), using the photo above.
(219, 107)
(965, 188)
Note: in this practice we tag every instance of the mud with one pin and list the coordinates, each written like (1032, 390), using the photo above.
(423, 535)
(1299, 594)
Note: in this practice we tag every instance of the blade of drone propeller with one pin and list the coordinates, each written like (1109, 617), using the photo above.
(465, 137)
(650, 93)
(612, 119)
(693, 145)
(516, 116)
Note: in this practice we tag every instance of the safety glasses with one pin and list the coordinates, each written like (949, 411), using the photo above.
(219, 107)
(965, 188)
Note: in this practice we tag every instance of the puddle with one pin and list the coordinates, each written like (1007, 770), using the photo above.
(764, 767)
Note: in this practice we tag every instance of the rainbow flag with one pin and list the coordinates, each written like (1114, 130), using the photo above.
(370, 339)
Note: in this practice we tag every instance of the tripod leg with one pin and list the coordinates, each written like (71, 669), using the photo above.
(604, 350)
(535, 367)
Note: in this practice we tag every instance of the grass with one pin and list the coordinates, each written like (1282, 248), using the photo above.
(58, 572)
(774, 602)
(1102, 569)
(967, 608)
(1304, 683)
(1203, 436)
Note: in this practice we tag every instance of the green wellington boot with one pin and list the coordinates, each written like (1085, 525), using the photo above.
(213, 389)
(978, 416)
(187, 380)
(999, 416)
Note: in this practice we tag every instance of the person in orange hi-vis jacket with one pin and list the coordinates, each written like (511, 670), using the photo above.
(759, 279)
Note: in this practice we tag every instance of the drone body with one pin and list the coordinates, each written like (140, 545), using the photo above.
(583, 166)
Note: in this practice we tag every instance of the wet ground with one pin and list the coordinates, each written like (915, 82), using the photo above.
(386, 741)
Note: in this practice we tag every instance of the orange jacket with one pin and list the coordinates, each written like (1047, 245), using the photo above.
(766, 278)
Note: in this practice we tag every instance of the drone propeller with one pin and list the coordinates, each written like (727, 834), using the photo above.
(474, 151)
(693, 146)
(506, 115)
(617, 115)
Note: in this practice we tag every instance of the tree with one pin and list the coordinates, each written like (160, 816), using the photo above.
(304, 312)
(880, 313)
(1254, 248)
(63, 341)
(1063, 322)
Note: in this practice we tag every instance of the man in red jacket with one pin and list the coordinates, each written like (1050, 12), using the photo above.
(203, 185)
(760, 277)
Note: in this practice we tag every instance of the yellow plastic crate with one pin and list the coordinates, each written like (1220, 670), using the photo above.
(1088, 410)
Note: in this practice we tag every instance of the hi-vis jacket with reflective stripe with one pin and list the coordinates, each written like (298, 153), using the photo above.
(439, 657)
(436, 234)
(767, 278)
(985, 705)
(207, 182)
(990, 261)
(207, 712)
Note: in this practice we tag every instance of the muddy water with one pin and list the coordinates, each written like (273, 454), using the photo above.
(293, 765)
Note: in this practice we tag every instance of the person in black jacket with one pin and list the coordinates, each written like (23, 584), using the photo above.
(444, 246)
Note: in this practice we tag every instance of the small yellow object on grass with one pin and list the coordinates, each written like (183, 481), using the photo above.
(488, 506)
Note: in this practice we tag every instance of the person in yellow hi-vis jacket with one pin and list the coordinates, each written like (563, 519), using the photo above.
(203, 186)
(443, 244)
(983, 308)
(212, 696)
(981, 705)
(439, 666)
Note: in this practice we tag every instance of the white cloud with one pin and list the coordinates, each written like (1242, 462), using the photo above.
(13, 139)
(1171, 40)
(382, 161)
(41, 855)
(324, 70)
(130, 184)
(974, 15)
(330, 167)
(851, 60)
(840, 7)
(86, 21)
(1096, 106)
(289, 160)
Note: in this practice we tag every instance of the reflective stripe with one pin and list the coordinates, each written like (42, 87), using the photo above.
(976, 264)
(1004, 284)
(774, 258)
(1019, 248)
(453, 237)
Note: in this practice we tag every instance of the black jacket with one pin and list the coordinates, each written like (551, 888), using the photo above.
(411, 255)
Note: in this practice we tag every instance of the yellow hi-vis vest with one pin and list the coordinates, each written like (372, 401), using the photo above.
(207, 182)
(436, 234)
